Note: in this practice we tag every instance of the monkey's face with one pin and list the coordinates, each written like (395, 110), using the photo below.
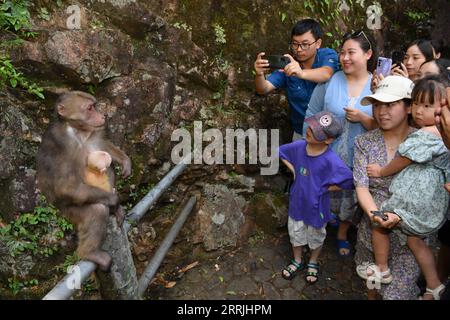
(91, 116)
(82, 113)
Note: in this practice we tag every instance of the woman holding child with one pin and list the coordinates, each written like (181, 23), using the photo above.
(342, 96)
(391, 108)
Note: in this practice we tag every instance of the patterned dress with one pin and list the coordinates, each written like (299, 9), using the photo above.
(418, 195)
(370, 148)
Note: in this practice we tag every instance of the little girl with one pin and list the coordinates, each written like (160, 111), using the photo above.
(418, 197)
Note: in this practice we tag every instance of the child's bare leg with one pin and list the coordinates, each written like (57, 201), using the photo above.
(342, 235)
(381, 247)
(315, 254)
(297, 252)
(313, 259)
(425, 259)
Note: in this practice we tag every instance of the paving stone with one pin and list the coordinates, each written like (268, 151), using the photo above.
(345, 275)
(225, 274)
(178, 291)
(278, 263)
(266, 253)
(341, 285)
(213, 282)
(193, 276)
(255, 273)
(280, 283)
(206, 273)
(239, 269)
(333, 295)
(242, 284)
(331, 267)
(270, 292)
(216, 294)
(298, 283)
(290, 294)
(358, 285)
(262, 275)
(311, 292)
(356, 296)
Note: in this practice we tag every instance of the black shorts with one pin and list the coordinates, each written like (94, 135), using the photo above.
(444, 233)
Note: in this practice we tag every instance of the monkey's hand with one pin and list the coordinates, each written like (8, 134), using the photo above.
(126, 168)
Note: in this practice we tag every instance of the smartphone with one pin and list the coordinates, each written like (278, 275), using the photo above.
(384, 66)
(277, 61)
(380, 214)
(397, 57)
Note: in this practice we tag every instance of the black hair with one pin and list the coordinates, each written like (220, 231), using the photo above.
(425, 47)
(366, 43)
(443, 66)
(444, 70)
(427, 88)
(437, 45)
(305, 25)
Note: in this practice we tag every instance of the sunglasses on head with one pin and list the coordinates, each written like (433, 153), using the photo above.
(357, 34)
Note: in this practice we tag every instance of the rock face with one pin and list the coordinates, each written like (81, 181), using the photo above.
(219, 218)
(94, 56)
(19, 139)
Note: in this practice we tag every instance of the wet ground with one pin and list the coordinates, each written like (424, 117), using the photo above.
(254, 272)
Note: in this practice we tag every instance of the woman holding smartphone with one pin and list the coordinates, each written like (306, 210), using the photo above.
(342, 95)
(417, 53)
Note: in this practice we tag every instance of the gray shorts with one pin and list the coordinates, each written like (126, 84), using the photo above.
(301, 234)
(343, 204)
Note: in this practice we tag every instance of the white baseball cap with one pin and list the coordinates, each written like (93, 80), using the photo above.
(390, 89)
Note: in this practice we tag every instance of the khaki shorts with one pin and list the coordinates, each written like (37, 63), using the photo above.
(301, 234)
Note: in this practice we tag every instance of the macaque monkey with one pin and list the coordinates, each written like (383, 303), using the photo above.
(62, 161)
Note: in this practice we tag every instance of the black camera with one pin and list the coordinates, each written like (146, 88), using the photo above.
(277, 61)
(397, 57)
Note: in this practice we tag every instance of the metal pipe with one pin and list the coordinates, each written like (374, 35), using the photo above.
(72, 281)
(158, 257)
(138, 211)
(83, 269)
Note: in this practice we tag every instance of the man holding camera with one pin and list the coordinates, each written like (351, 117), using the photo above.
(309, 65)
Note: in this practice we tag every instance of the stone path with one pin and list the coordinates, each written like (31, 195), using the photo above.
(253, 272)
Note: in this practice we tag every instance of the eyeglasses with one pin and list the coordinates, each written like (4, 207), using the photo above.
(358, 34)
(304, 46)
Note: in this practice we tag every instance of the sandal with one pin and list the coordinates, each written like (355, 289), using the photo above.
(292, 271)
(343, 244)
(436, 292)
(384, 277)
(314, 273)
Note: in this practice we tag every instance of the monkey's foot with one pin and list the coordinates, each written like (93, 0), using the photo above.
(102, 258)
(120, 215)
